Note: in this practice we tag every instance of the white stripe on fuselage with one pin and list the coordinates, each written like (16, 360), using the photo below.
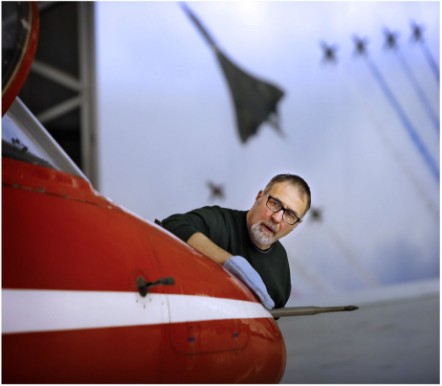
(48, 310)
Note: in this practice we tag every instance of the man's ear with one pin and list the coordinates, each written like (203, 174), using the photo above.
(259, 196)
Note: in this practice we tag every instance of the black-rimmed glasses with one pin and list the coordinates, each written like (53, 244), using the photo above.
(287, 215)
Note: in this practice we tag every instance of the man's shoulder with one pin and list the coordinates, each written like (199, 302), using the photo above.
(223, 210)
(234, 215)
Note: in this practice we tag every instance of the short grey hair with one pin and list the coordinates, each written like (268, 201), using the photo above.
(295, 180)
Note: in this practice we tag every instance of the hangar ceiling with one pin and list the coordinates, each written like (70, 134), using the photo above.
(60, 89)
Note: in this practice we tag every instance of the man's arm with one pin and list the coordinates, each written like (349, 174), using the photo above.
(190, 227)
(207, 247)
(236, 265)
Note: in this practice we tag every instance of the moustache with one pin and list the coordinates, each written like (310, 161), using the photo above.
(270, 226)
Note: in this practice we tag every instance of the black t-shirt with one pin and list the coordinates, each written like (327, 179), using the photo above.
(227, 228)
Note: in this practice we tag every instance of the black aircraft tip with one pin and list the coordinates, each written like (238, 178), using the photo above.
(360, 46)
(417, 32)
(199, 25)
(391, 39)
(329, 52)
(216, 191)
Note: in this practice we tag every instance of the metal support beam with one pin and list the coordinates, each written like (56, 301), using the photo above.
(86, 41)
(84, 87)
(56, 75)
(59, 110)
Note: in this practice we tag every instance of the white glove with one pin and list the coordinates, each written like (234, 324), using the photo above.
(241, 268)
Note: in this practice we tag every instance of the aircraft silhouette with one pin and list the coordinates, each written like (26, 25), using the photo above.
(91, 293)
(391, 39)
(417, 36)
(329, 52)
(417, 32)
(255, 100)
(216, 191)
(315, 214)
(360, 46)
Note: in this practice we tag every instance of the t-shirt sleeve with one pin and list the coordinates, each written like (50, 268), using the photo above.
(185, 225)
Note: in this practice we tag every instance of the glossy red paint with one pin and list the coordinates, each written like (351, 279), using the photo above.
(60, 234)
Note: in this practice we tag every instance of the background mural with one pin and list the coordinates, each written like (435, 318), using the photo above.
(359, 120)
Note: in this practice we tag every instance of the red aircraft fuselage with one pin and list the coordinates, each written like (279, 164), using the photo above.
(72, 309)
(79, 304)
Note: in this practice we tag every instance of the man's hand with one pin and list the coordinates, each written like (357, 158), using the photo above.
(236, 265)
(241, 268)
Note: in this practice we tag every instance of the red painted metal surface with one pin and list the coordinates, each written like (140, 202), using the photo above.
(59, 234)
(139, 355)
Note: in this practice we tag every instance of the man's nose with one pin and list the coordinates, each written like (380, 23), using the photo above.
(277, 216)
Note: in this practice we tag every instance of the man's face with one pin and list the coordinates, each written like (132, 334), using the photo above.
(266, 227)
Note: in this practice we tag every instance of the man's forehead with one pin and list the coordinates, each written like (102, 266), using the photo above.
(285, 187)
(289, 194)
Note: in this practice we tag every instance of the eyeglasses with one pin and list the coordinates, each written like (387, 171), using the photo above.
(287, 215)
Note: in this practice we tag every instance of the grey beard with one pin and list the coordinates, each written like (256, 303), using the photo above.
(260, 236)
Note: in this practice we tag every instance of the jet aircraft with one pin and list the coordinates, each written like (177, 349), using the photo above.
(360, 46)
(417, 32)
(255, 100)
(216, 190)
(329, 52)
(391, 39)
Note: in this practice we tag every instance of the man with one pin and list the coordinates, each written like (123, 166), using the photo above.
(247, 243)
